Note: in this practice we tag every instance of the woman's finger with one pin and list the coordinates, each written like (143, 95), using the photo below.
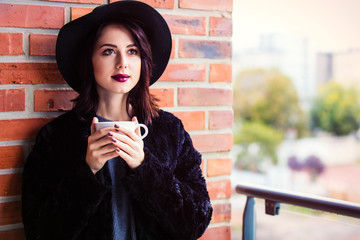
(132, 152)
(98, 141)
(100, 148)
(125, 147)
(133, 141)
(129, 132)
(105, 149)
(131, 162)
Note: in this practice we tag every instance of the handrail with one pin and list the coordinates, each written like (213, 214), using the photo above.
(273, 197)
(304, 200)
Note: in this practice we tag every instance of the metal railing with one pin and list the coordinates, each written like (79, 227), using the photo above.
(273, 197)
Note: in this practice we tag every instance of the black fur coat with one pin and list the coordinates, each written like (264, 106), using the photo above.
(63, 199)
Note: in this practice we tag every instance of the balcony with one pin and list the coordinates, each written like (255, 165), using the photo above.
(329, 219)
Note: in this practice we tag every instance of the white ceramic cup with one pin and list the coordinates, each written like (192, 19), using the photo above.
(128, 124)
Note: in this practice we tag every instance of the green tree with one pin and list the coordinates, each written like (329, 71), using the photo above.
(266, 105)
(336, 109)
(266, 137)
(269, 97)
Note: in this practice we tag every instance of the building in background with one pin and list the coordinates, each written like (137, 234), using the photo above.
(342, 67)
(289, 54)
(324, 69)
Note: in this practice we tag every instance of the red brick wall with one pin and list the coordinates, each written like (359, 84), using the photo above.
(196, 87)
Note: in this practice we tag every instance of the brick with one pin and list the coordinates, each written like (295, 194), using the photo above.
(10, 185)
(12, 100)
(31, 16)
(213, 142)
(219, 189)
(79, 12)
(211, 5)
(157, 3)
(10, 213)
(172, 55)
(165, 95)
(202, 167)
(188, 25)
(17, 234)
(11, 44)
(217, 233)
(221, 119)
(220, 73)
(54, 100)
(204, 96)
(220, 26)
(79, 1)
(219, 166)
(20, 129)
(11, 157)
(42, 45)
(194, 120)
(189, 48)
(29, 73)
(221, 213)
(184, 72)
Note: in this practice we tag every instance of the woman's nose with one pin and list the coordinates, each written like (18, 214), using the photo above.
(121, 61)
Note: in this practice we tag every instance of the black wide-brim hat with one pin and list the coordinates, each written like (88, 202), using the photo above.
(73, 35)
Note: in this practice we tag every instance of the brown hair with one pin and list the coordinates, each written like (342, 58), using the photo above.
(144, 105)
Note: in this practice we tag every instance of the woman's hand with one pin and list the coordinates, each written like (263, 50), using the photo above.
(100, 148)
(129, 145)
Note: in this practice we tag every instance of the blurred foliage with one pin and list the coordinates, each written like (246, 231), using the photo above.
(336, 110)
(266, 106)
(266, 139)
(268, 96)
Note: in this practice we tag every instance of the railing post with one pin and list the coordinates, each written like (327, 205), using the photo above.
(249, 224)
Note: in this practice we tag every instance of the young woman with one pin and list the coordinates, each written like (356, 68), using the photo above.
(83, 183)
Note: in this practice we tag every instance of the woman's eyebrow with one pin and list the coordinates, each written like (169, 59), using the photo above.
(107, 45)
(114, 46)
(131, 45)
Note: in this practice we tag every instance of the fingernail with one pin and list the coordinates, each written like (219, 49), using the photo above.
(110, 134)
(118, 150)
(114, 140)
(116, 126)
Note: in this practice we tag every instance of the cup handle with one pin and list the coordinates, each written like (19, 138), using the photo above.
(145, 129)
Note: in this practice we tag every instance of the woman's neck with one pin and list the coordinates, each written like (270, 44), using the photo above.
(113, 107)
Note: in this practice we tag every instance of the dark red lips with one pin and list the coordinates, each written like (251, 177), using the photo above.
(120, 77)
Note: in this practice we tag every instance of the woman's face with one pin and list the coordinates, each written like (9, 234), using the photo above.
(116, 60)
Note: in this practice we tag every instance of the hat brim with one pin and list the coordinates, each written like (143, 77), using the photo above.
(73, 34)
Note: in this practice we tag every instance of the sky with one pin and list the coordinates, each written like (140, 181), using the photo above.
(329, 25)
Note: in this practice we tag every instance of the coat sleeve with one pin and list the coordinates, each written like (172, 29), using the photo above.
(57, 200)
(172, 190)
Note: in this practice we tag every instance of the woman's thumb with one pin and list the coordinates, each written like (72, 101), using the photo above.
(137, 130)
(92, 128)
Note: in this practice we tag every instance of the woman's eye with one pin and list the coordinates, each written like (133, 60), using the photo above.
(133, 51)
(108, 51)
